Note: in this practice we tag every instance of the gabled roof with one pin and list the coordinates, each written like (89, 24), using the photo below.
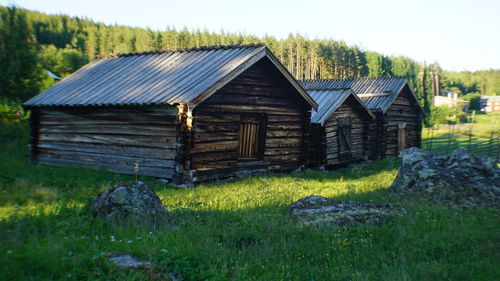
(329, 101)
(158, 77)
(377, 93)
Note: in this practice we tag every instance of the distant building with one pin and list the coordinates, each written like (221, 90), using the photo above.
(489, 103)
(451, 99)
(52, 75)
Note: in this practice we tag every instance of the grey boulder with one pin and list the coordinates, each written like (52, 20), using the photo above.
(318, 210)
(457, 178)
(131, 204)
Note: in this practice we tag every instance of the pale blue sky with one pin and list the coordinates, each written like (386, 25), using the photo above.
(458, 34)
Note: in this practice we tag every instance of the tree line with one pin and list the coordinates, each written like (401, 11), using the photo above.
(33, 42)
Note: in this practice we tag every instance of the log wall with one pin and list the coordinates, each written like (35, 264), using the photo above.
(404, 109)
(383, 131)
(317, 146)
(350, 108)
(110, 138)
(261, 89)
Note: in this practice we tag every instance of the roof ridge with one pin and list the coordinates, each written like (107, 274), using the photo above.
(180, 50)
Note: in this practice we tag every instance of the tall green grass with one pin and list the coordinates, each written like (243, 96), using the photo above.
(235, 230)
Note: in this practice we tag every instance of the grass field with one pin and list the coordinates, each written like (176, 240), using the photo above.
(483, 127)
(238, 230)
(481, 136)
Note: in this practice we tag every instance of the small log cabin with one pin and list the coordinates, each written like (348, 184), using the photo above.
(338, 128)
(398, 115)
(185, 115)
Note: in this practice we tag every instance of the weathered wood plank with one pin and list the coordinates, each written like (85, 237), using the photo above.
(131, 151)
(109, 159)
(129, 140)
(112, 129)
(63, 162)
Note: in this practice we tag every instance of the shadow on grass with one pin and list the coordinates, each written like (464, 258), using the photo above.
(261, 243)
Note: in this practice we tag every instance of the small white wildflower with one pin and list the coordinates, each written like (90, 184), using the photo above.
(150, 233)
(130, 241)
(112, 238)
(164, 250)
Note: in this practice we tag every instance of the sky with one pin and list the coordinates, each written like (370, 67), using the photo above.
(458, 34)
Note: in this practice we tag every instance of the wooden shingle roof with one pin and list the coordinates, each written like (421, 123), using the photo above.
(158, 77)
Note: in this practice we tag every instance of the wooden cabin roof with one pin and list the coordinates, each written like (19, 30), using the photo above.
(377, 93)
(158, 77)
(329, 101)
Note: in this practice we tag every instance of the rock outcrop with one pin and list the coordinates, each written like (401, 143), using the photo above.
(456, 178)
(320, 210)
(131, 204)
(149, 271)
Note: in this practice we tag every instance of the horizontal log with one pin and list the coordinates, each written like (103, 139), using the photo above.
(146, 171)
(283, 158)
(216, 127)
(248, 90)
(282, 151)
(214, 165)
(107, 159)
(284, 133)
(360, 133)
(131, 151)
(215, 137)
(119, 120)
(235, 98)
(112, 129)
(251, 109)
(206, 157)
(283, 142)
(203, 118)
(220, 146)
(335, 157)
(272, 117)
(125, 140)
(335, 149)
(108, 111)
(284, 126)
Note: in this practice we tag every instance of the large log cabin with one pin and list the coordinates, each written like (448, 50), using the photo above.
(398, 115)
(185, 115)
(338, 128)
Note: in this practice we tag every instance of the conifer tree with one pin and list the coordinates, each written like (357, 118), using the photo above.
(20, 74)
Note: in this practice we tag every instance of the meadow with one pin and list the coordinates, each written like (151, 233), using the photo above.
(480, 135)
(233, 230)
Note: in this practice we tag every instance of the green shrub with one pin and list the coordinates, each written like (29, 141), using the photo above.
(11, 112)
(473, 101)
(447, 115)
(13, 120)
